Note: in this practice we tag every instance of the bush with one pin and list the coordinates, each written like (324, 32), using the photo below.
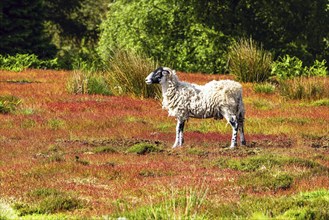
(8, 104)
(127, 73)
(249, 62)
(20, 62)
(289, 67)
(310, 88)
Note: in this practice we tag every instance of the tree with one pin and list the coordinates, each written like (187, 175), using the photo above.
(22, 29)
(296, 27)
(166, 30)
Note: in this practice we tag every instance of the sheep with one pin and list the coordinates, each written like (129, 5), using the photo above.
(216, 99)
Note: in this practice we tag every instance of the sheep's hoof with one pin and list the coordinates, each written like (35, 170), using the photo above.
(233, 146)
(176, 146)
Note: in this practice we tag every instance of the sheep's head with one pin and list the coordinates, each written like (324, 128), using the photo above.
(160, 75)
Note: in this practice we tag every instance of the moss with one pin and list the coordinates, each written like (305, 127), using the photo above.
(144, 148)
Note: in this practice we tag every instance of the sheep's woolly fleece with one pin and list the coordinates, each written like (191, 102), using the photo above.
(184, 100)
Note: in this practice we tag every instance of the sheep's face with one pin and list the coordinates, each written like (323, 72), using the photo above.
(158, 76)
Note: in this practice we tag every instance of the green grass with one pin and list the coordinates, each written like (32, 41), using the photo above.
(305, 205)
(321, 102)
(48, 201)
(104, 149)
(268, 172)
(189, 203)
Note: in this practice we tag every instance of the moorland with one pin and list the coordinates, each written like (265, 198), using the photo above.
(80, 156)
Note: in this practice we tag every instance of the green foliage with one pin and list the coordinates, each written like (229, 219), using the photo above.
(249, 62)
(20, 62)
(266, 88)
(127, 72)
(49, 201)
(168, 31)
(289, 67)
(310, 88)
(9, 104)
(144, 148)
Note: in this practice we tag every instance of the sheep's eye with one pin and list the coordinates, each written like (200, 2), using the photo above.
(158, 74)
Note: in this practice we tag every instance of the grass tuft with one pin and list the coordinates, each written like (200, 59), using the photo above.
(266, 88)
(127, 75)
(143, 148)
(49, 201)
(9, 104)
(249, 62)
(310, 88)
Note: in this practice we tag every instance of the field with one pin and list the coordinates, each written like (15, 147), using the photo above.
(89, 156)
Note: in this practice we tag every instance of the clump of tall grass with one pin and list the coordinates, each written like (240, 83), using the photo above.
(309, 88)
(249, 62)
(127, 74)
(266, 88)
(188, 203)
(83, 82)
(9, 103)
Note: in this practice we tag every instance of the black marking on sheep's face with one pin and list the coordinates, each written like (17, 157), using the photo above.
(156, 76)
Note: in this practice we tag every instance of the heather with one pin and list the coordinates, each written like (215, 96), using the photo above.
(65, 155)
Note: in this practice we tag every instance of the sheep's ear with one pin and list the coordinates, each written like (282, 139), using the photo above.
(174, 72)
(165, 72)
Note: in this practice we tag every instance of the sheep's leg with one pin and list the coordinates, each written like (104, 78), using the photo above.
(234, 123)
(179, 133)
(241, 130)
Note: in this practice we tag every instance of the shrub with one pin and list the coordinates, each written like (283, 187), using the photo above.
(249, 62)
(287, 67)
(127, 74)
(8, 104)
(310, 88)
(20, 62)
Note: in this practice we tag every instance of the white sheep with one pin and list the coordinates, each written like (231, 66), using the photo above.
(216, 99)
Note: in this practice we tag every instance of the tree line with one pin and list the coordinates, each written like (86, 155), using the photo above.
(189, 35)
